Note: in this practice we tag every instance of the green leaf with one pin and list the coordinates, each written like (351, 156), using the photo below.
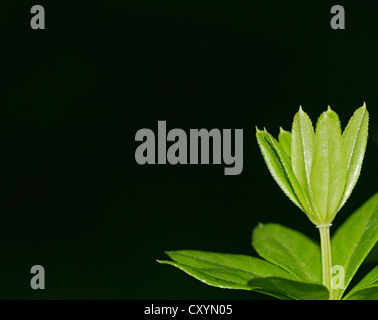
(355, 139)
(333, 115)
(354, 239)
(289, 249)
(233, 271)
(328, 172)
(290, 288)
(368, 293)
(284, 138)
(302, 148)
(279, 165)
(217, 277)
(366, 289)
(255, 267)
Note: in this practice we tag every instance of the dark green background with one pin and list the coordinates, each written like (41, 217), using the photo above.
(73, 198)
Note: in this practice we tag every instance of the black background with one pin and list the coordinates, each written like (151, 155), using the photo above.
(74, 200)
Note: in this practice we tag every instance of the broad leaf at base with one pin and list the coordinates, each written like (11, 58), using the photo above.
(234, 271)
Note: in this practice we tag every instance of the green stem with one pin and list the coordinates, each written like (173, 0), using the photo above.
(325, 246)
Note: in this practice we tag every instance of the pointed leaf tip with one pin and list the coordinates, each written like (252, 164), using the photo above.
(284, 138)
(282, 130)
(330, 114)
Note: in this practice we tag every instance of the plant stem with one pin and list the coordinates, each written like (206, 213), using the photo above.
(326, 252)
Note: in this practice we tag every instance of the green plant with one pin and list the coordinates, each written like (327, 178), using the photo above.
(317, 171)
